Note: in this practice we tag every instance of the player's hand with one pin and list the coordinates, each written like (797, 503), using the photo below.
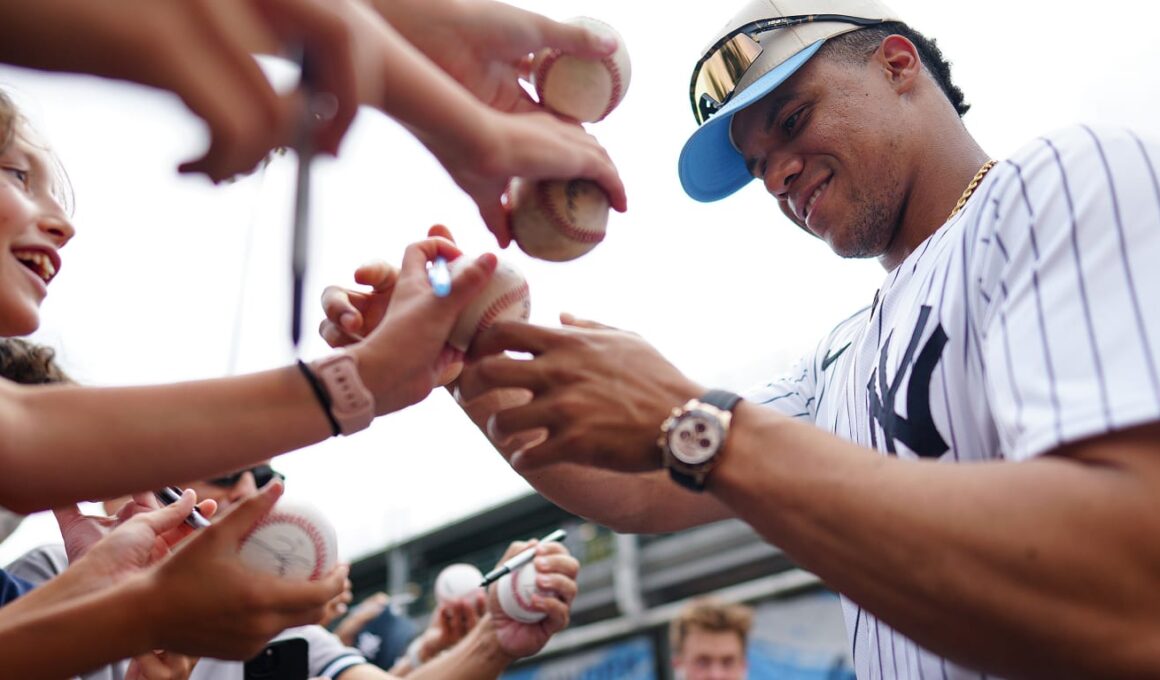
(406, 354)
(216, 606)
(451, 622)
(137, 536)
(202, 51)
(594, 410)
(362, 614)
(486, 45)
(339, 605)
(557, 575)
(533, 146)
(161, 665)
(81, 532)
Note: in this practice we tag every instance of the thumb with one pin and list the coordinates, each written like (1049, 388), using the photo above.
(471, 279)
(171, 516)
(237, 523)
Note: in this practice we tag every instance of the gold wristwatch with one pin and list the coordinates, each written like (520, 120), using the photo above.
(693, 436)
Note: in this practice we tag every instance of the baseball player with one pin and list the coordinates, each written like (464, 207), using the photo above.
(973, 459)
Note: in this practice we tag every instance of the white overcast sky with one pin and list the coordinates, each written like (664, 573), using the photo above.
(172, 279)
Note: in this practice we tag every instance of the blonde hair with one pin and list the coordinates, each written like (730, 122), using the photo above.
(712, 615)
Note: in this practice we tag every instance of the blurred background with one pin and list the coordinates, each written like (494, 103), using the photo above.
(172, 279)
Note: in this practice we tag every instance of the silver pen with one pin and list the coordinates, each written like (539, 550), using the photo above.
(170, 495)
(520, 559)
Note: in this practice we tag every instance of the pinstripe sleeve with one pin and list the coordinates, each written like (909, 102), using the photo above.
(799, 392)
(1071, 336)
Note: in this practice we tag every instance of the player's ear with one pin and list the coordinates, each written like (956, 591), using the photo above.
(900, 62)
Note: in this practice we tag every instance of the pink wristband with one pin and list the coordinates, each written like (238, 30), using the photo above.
(351, 403)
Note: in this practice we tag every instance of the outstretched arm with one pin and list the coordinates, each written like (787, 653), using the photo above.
(109, 438)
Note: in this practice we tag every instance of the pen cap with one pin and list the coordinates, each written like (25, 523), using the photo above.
(515, 591)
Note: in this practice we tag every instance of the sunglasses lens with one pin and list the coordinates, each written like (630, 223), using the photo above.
(720, 72)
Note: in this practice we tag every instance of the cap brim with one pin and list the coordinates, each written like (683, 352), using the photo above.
(710, 167)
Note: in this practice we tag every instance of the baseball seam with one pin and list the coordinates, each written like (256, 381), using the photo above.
(613, 73)
(523, 603)
(309, 529)
(617, 85)
(501, 303)
(561, 222)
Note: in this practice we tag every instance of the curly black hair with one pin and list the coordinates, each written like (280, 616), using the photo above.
(29, 364)
(860, 44)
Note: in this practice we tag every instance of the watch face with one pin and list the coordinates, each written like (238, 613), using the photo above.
(695, 438)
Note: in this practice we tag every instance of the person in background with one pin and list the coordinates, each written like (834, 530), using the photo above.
(709, 639)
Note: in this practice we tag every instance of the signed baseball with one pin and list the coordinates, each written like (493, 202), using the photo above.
(515, 592)
(456, 581)
(505, 297)
(294, 540)
(558, 220)
(586, 90)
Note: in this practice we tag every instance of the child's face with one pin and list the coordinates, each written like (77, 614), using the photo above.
(33, 228)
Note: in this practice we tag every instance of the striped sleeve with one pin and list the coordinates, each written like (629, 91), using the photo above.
(799, 393)
(1071, 332)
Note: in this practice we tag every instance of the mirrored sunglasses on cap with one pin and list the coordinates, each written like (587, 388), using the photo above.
(263, 474)
(717, 73)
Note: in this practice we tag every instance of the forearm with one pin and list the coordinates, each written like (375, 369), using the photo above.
(641, 503)
(95, 628)
(968, 560)
(114, 441)
(477, 656)
(446, 115)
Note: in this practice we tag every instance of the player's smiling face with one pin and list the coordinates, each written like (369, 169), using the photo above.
(822, 144)
(33, 228)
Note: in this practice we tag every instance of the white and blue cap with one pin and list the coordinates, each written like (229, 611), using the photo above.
(711, 167)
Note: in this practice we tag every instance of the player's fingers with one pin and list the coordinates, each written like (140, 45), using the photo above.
(440, 231)
(577, 40)
(302, 598)
(378, 274)
(553, 558)
(498, 371)
(567, 319)
(341, 307)
(514, 336)
(328, 42)
(558, 613)
(469, 281)
(496, 219)
(562, 588)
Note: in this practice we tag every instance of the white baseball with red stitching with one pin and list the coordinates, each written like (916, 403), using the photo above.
(457, 581)
(294, 540)
(515, 592)
(506, 297)
(558, 220)
(586, 90)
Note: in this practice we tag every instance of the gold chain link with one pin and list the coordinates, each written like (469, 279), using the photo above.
(971, 188)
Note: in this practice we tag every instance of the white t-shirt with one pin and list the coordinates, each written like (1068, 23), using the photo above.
(1029, 320)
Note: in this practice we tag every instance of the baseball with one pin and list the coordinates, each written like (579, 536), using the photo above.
(505, 297)
(515, 592)
(558, 220)
(456, 581)
(585, 90)
(294, 540)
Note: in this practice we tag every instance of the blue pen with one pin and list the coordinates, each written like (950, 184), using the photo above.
(440, 277)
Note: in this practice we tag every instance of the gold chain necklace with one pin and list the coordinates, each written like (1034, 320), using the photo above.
(971, 188)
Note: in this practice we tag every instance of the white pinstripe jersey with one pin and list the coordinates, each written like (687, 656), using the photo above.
(1029, 320)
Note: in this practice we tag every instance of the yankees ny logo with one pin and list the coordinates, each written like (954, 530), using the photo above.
(916, 430)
